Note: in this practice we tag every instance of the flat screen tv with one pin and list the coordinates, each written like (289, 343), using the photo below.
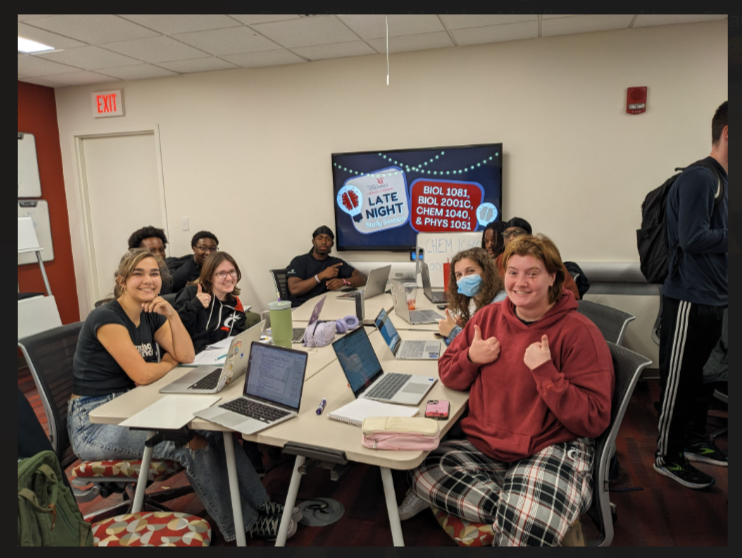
(382, 199)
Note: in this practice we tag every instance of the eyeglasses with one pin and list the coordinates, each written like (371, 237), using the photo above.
(207, 249)
(223, 274)
(514, 232)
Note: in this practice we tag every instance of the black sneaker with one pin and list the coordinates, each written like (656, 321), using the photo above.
(684, 473)
(275, 509)
(266, 527)
(706, 452)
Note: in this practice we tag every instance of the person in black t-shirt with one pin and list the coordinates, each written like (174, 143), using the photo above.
(317, 272)
(136, 339)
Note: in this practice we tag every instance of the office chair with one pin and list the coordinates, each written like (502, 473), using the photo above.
(627, 367)
(611, 321)
(49, 355)
(282, 286)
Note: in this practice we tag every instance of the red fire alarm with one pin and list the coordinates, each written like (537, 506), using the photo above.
(636, 100)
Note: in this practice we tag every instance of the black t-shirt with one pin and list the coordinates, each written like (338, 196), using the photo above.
(96, 371)
(306, 266)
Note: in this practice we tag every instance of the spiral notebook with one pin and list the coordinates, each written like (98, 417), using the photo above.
(356, 411)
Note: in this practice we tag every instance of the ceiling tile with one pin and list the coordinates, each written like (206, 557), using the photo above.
(496, 33)
(34, 66)
(264, 58)
(82, 78)
(645, 20)
(456, 21)
(142, 71)
(234, 40)
(584, 24)
(95, 29)
(27, 17)
(46, 37)
(197, 65)
(182, 23)
(374, 26)
(406, 43)
(90, 58)
(336, 50)
(41, 81)
(157, 49)
(249, 19)
(307, 31)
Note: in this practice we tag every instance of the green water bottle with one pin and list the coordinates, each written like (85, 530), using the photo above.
(281, 324)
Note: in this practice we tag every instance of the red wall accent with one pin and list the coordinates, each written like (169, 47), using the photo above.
(37, 115)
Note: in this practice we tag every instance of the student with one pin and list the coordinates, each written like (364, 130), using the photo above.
(541, 382)
(211, 310)
(317, 272)
(517, 227)
(118, 348)
(188, 268)
(154, 240)
(492, 240)
(474, 283)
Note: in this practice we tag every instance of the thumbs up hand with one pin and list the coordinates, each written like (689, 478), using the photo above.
(205, 298)
(537, 353)
(483, 351)
(445, 326)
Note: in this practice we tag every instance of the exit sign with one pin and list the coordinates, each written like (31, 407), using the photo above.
(108, 103)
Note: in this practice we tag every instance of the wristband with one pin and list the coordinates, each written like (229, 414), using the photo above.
(316, 279)
(346, 282)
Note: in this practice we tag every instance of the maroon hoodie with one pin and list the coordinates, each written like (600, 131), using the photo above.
(514, 411)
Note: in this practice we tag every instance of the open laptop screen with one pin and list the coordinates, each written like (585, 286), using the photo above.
(276, 374)
(387, 329)
(358, 360)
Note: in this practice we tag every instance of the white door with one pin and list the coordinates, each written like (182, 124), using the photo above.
(123, 192)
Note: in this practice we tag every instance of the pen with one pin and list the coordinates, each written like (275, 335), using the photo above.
(321, 406)
(221, 357)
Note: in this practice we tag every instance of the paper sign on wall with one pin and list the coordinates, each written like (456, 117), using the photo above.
(108, 103)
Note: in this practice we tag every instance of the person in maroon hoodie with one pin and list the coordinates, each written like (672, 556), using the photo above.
(541, 383)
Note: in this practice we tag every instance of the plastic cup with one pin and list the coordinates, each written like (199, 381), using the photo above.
(281, 324)
(410, 291)
(446, 274)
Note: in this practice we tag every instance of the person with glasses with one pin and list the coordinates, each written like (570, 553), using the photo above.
(188, 268)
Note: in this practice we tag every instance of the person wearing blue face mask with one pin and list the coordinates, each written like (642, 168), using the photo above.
(474, 283)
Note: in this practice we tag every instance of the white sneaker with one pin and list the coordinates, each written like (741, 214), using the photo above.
(411, 506)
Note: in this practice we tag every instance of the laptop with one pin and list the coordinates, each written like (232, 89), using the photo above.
(274, 382)
(405, 350)
(439, 297)
(414, 317)
(212, 379)
(375, 284)
(366, 377)
(298, 334)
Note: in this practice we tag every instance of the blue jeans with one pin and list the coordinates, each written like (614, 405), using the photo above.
(206, 467)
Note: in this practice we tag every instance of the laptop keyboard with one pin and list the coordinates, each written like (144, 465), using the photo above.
(298, 335)
(388, 385)
(255, 410)
(209, 381)
(424, 316)
(412, 349)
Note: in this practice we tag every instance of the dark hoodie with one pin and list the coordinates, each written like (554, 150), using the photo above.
(212, 324)
(514, 411)
(184, 270)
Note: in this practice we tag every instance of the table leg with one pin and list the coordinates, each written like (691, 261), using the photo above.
(290, 501)
(234, 490)
(391, 506)
(143, 475)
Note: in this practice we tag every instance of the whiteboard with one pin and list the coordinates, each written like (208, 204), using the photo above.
(38, 211)
(29, 185)
(440, 247)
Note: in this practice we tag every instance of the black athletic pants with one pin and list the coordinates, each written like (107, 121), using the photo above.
(688, 334)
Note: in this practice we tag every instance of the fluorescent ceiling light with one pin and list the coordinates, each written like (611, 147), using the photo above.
(29, 46)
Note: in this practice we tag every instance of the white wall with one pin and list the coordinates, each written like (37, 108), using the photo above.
(246, 153)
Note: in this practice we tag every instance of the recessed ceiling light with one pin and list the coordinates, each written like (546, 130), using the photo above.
(28, 46)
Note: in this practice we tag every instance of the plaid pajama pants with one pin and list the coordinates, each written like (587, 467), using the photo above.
(530, 502)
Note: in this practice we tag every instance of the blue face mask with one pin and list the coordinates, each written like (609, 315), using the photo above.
(469, 285)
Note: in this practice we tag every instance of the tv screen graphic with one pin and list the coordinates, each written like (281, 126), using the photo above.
(384, 198)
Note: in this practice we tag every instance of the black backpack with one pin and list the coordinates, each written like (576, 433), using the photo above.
(651, 238)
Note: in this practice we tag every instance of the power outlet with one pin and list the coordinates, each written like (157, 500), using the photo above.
(184, 223)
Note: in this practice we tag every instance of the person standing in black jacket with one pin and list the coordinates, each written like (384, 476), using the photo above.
(188, 268)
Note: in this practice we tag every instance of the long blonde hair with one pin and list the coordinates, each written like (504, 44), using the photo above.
(127, 265)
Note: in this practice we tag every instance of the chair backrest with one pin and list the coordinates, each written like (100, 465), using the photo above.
(611, 321)
(627, 367)
(282, 286)
(49, 356)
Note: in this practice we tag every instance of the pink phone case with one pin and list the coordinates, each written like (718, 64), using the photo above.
(437, 409)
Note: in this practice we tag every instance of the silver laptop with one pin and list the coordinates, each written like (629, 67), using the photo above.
(366, 377)
(439, 297)
(272, 394)
(298, 333)
(375, 284)
(414, 317)
(405, 349)
(213, 379)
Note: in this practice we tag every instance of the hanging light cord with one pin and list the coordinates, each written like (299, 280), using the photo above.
(386, 18)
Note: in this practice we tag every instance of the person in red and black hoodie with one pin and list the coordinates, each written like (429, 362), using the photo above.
(210, 308)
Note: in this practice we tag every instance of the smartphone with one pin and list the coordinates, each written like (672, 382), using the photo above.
(442, 306)
(437, 409)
